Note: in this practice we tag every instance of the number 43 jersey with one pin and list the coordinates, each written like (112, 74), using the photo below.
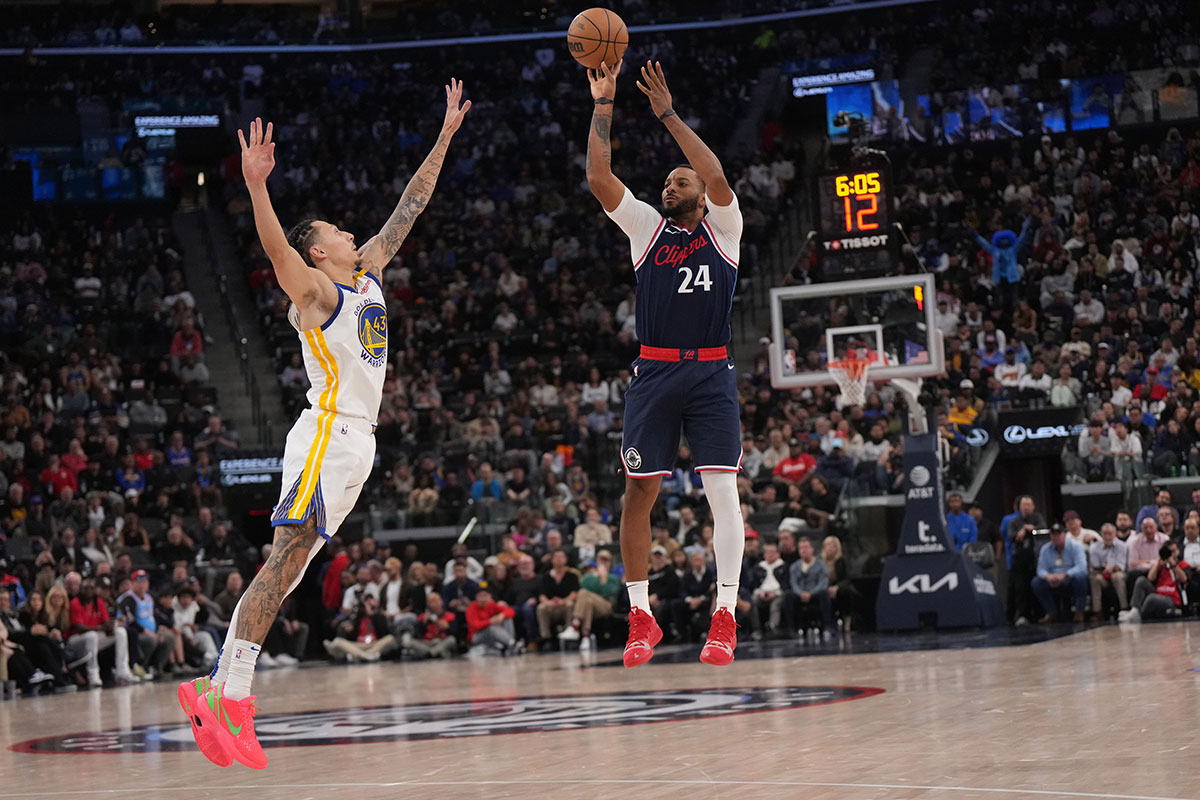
(685, 279)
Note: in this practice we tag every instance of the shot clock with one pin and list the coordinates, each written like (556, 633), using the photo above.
(854, 212)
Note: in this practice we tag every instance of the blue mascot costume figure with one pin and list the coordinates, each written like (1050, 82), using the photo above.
(1006, 275)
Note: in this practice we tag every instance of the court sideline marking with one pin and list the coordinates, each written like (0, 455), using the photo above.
(610, 782)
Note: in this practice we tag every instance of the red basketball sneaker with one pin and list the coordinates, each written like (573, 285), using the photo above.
(233, 721)
(644, 633)
(722, 639)
(206, 738)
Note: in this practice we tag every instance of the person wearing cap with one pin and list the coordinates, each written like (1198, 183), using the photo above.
(990, 355)
(797, 467)
(836, 468)
(136, 607)
(1010, 371)
(1158, 594)
(945, 319)
(598, 590)
(1061, 569)
(664, 586)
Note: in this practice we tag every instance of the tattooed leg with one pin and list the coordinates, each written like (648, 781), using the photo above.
(292, 550)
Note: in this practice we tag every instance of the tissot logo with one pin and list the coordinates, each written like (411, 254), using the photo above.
(458, 719)
(857, 242)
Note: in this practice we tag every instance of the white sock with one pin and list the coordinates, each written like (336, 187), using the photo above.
(220, 673)
(729, 533)
(241, 669)
(639, 595)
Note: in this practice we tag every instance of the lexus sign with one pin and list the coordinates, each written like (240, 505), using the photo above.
(1039, 432)
(1016, 434)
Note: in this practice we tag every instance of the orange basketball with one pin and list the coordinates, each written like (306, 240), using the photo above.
(597, 36)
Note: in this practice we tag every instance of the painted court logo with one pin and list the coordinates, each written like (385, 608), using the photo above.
(465, 718)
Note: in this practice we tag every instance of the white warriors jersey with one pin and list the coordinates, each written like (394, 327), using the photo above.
(346, 358)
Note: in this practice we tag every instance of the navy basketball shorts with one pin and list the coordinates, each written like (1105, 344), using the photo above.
(698, 398)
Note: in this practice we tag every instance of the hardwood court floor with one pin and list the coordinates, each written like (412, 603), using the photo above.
(1103, 713)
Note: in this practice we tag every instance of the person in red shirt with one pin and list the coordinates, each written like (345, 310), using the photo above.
(434, 628)
(490, 623)
(143, 456)
(1157, 595)
(92, 630)
(187, 340)
(75, 459)
(331, 590)
(58, 477)
(797, 466)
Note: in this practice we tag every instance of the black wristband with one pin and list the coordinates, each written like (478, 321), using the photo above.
(604, 101)
(670, 112)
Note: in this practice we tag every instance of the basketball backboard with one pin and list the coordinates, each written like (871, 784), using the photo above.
(890, 318)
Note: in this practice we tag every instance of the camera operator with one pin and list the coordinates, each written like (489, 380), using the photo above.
(1158, 594)
(1024, 559)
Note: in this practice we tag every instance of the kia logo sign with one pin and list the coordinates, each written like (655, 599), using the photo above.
(923, 584)
(978, 437)
(1018, 434)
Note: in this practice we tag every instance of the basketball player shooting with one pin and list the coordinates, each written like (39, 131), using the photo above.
(338, 309)
(685, 263)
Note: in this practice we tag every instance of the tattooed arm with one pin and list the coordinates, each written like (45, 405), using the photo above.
(377, 252)
(607, 187)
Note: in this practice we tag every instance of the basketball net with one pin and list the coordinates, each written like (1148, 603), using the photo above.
(851, 373)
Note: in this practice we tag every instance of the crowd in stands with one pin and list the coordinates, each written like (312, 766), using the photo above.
(1137, 566)
(511, 303)
(512, 330)
(110, 437)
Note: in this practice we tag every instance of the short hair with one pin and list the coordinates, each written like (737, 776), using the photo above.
(301, 237)
(685, 165)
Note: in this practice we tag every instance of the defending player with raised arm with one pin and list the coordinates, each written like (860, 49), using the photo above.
(685, 262)
(339, 312)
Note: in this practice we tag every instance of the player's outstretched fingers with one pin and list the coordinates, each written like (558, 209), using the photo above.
(267, 137)
(242, 140)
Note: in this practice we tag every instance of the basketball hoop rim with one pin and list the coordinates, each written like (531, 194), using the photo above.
(851, 376)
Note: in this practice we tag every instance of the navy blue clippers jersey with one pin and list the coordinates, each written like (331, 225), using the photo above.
(685, 279)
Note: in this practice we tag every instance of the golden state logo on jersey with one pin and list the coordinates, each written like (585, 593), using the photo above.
(372, 332)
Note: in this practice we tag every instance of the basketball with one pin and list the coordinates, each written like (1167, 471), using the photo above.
(597, 36)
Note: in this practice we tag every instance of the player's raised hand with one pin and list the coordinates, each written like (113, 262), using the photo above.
(455, 108)
(604, 80)
(654, 85)
(258, 155)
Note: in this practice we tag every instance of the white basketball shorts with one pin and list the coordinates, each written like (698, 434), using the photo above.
(326, 461)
